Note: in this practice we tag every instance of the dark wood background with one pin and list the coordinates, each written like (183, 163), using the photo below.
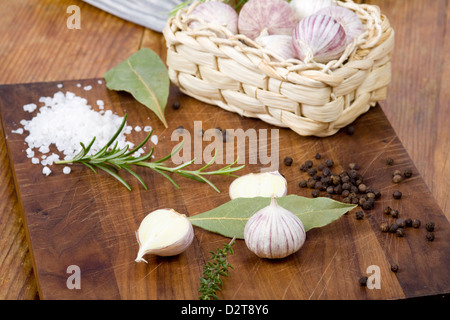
(36, 46)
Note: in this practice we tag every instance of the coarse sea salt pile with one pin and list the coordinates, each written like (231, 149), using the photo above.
(64, 121)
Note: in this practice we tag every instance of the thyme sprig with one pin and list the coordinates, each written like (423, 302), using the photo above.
(218, 266)
(111, 160)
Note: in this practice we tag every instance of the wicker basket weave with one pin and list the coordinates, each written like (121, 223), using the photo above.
(233, 72)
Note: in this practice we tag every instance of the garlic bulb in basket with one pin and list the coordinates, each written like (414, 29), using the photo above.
(348, 19)
(304, 8)
(264, 184)
(164, 232)
(274, 232)
(320, 38)
(278, 44)
(217, 13)
(265, 17)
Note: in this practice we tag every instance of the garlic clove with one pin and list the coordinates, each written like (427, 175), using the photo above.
(348, 19)
(320, 38)
(217, 13)
(278, 45)
(274, 232)
(304, 8)
(266, 17)
(265, 184)
(164, 232)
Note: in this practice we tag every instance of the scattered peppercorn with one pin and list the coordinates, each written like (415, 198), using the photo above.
(408, 222)
(400, 222)
(397, 194)
(416, 223)
(389, 161)
(384, 227)
(318, 156)
(430, 236)
(329, 163)
(400, 232)
(315, 193)
(394, 268)
(320, 167)
(362, 187)
(288, 161)
(312, 171)
(363, 281)
(430, 226)
(397, 179)
(303, 183)
(393, 228)
(353, 166)
(387, 210)
(395, 213)
(396, 173)
(407, 173)
(176, 105)
(350, 130)
(359, 215)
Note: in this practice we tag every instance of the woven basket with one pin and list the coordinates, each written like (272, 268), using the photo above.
(233, 72)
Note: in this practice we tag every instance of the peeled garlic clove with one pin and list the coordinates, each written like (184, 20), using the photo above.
(274, 232)
(320, 38)
(164, 232)
(304, 8)
(348, 19)
(266, 17)
(265, 184)
(217, 13)
(279, 45)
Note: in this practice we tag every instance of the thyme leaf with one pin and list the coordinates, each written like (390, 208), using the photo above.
(111, 160)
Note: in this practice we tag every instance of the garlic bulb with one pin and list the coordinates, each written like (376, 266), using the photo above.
(348, 19)
(164, 232)
(217, 13)
(274, 232)
(265, 17)
(320, 38)
(265, 184)
(279, 45)
(304, 8)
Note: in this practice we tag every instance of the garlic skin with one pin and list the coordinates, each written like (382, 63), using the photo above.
(266, 17)
(164, 232)
(279, 45)
(265, 184)
(217, 13)
(320, 38)
(348, 19)
(274, 232)
(304, 8)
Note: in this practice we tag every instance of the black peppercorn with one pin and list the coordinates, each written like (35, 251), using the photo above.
(430, 236)
(311, 183)
(362, 188)
(353, 166)
(353, 174)
(396, 173)
(318, 185)
(363, 281)
(389, 161)
(303, 183)
(303, 168)
(359, 215)
(330, 190)
(416, 223)
(395, 213)
(407, 173)
(397, 178)
(377, 194)
(176, 105)
(326, 172)
(312, 171)
(397, 194)
(346, 200)
(338, 189)
(400, 222)
(318, 156)
(345, 179)
(350, 130)
(400, 232)
(387, 210)
(345, 193)
(429, 226)
(384, 227)
(320, 167)
(288, 161)
(393, 228)
(367, 205)
(309, 163)
(408, 222)
(394, 268)
(315, 193)
(329, 163)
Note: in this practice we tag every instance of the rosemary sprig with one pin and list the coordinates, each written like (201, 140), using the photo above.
(218, 266)
(111, 160)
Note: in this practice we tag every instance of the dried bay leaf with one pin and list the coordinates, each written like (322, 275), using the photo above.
(145, 76)
(230, 218)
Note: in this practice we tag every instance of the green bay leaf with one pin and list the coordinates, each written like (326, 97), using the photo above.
(230, 218)
(145, 76)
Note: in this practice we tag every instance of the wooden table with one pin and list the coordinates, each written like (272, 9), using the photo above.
(36, 46)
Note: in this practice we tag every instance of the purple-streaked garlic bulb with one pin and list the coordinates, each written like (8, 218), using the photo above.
(266, 17)
(304, 8)
(320, 38)
(351, 23)
(277, 44)
(217, 13)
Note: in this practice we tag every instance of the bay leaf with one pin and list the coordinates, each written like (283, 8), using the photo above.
(230, 218)
(145, 76)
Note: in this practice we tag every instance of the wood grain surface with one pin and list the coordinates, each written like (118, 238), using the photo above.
(89, 220)
(36, 46)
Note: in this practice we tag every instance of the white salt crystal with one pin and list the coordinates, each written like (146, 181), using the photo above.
(44, 149)
(154, 139)
(46, 171)
(147, 129)
(35, 160)
(87, 88)
(18, 131)
(29, 107)
(59, 85)
(99, 81)
(66, 170)
(100, 103)
(137, 129)
(79, 85)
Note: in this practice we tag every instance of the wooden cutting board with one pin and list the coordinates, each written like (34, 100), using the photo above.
(89, 220)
